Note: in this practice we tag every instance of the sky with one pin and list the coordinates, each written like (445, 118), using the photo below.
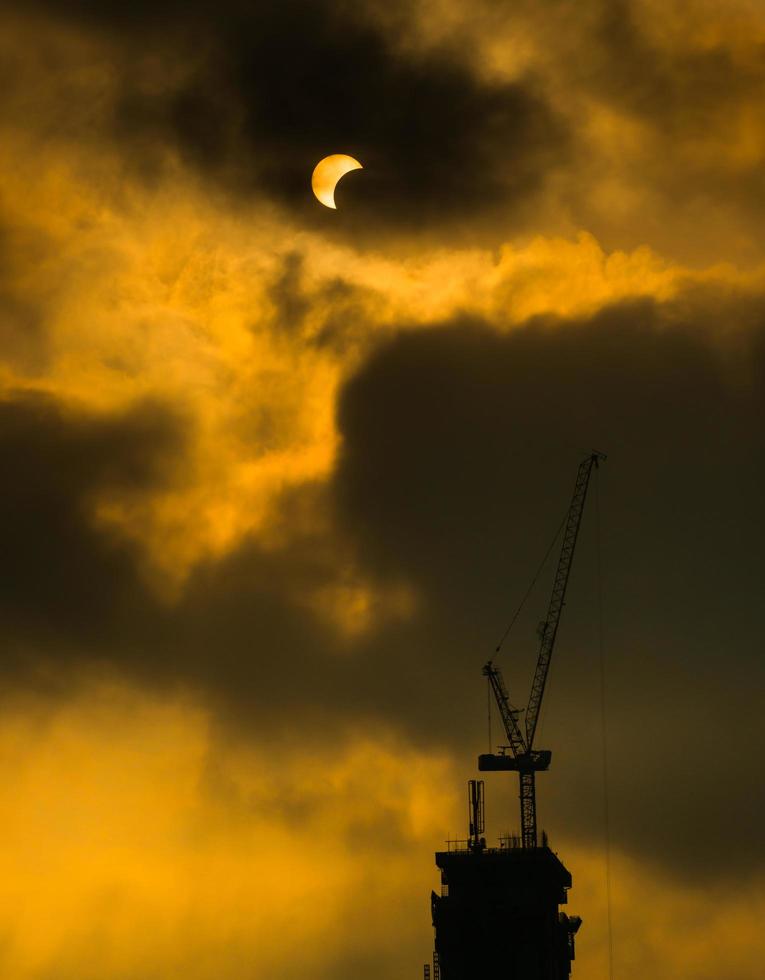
(276, 477)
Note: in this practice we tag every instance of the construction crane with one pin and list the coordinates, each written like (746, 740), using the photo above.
(525, 759)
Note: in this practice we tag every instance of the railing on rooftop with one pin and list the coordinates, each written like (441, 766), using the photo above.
(507, 842)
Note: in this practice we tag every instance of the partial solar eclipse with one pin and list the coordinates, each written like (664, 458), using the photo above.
(327, 173)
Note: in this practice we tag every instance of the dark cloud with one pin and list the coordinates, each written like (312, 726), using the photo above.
(459, 450)
(68, 585)
(460, 447)
(74, 592)
(259, 93)
(251, 96)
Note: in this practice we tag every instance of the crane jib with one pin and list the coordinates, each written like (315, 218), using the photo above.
(557, 597)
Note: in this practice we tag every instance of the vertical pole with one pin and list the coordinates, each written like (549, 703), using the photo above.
(472, 806)
(476, 819)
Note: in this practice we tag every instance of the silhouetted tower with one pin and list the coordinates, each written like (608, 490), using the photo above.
(476, 821)
(498, 915)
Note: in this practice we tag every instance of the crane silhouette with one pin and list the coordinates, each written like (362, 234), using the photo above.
(525, 759)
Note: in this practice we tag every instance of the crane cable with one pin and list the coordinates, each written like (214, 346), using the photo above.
(517, 613)
(602, 658)
(531, 587)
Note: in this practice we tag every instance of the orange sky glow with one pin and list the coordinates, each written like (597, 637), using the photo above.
(246, 589)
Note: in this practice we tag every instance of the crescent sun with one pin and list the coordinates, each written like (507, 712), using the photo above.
(328, 172)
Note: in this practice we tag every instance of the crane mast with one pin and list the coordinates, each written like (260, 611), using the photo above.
(526, 760)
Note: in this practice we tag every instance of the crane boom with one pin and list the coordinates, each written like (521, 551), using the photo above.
(549, 627)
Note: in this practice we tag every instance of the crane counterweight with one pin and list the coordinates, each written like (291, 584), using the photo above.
(537, 761)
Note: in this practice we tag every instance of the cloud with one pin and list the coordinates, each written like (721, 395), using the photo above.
(252, 98)
(662, 108)
(474, 124)
(688, 101)
(78, 595)
(68, 580)
(385, 589)
(459, 447)
(22, 316)
(282, 475)
(139, 840)
(185, 852)
(651, 944)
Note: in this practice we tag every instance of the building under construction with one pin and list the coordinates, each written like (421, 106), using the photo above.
(498, 916)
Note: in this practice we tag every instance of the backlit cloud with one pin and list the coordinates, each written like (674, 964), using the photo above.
(274, 478)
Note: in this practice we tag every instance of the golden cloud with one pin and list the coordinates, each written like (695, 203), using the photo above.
(240, 319)
(138, 842)
(139, 839)
(163, 294)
